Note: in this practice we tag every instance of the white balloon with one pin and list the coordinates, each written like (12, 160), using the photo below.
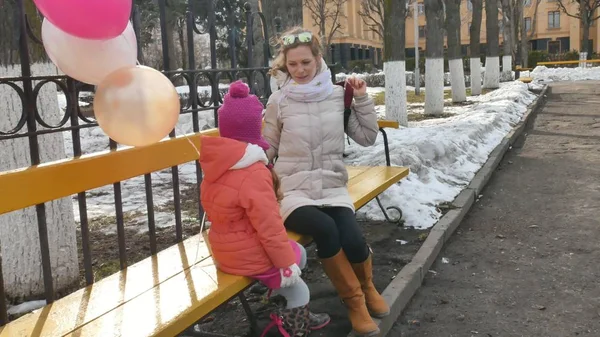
(89, 61)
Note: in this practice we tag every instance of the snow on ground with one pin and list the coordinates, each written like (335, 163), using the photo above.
(545, 74)
(443, 156)
(26, 307)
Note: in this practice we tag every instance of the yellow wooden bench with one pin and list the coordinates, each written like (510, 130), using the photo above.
(167, 292)
(558, 63)
(526, 79)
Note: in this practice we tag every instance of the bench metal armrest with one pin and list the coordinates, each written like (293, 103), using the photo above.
(387, 124)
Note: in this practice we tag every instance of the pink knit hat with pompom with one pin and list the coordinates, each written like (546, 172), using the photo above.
(240, 116)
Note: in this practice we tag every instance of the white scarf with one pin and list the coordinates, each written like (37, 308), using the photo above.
(317, 90)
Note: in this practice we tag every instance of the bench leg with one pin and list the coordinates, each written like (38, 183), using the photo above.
(250, 314)
(398, 220)
(386, 147)
(253, 332)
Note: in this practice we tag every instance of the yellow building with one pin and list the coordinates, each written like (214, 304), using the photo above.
(554, 31)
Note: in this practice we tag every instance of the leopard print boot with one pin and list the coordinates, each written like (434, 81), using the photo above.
(293, 322)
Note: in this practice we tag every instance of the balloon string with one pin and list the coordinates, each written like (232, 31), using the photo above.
(191, 143)
(198, 152)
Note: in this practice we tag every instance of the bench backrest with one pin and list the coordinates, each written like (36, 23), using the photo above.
(34, 185)
(50, 181)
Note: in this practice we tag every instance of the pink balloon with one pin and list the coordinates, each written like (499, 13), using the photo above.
(88, 19)
(89, 61)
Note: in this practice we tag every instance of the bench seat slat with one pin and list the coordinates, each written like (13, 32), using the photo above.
(375, 180)
(171, 307)
(95, 300)
(154, 283)
(178, 316)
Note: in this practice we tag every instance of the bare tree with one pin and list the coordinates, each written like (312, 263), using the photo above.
(475, 44)
(434, 57)
(326, 15)
(586, 14)
(9, 33)
(526, 36)
(507, 33)
(516, 15)
(455, 62)
(290, 12)
(372, 13)
(394, 65)
(491, 79)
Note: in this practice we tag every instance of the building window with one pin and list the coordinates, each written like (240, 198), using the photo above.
(553, 47)
(527, 24)
(421, 9)
(527, 3)
(421, 32)
(554, 19)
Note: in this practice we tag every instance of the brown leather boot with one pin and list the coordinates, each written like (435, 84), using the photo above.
(375, 302)
(341, 274)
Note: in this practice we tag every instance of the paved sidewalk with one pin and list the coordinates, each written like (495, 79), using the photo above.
(526, 259)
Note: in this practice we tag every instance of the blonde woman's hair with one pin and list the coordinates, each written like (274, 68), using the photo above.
(279, 64)
(276, 185)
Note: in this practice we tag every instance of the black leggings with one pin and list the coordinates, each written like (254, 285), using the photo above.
(332, 228)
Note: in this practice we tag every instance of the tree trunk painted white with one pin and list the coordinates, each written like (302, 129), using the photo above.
(506, 63)
(434, 57)
(475, 64)
(457, 80)
(491, 78)
(394, 65)
(19, 240)
(434, 86)
(395, 91)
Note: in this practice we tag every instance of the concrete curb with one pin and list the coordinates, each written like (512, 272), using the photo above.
(406, 283)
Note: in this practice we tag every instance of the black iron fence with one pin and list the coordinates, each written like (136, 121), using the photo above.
(32, 125)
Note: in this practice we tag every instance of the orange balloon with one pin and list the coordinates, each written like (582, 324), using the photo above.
(136, 106)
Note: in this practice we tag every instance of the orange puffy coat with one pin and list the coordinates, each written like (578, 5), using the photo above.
(247, 235)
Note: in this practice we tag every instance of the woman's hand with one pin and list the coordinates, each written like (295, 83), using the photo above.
(360, 86)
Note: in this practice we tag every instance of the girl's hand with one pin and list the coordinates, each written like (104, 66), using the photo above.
(360, 86)
(290, 275)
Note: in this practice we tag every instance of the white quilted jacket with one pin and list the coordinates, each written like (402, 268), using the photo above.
(307, 140)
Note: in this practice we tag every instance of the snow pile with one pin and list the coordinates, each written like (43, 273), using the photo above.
(443, 154)
(542, 73)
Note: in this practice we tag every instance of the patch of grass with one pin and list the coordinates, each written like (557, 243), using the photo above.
(483, 91)
(422, 117)
(106, 269)
(110, 221)
(189, 199)
(379, 98)
(412, 98)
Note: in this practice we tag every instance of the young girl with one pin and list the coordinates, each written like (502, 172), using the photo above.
(240, 196)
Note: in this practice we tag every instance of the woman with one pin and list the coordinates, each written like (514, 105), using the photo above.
(304, 126)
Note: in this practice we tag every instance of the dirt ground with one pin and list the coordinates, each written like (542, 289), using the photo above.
(390, 256)
(524, 262)
(393, 248)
